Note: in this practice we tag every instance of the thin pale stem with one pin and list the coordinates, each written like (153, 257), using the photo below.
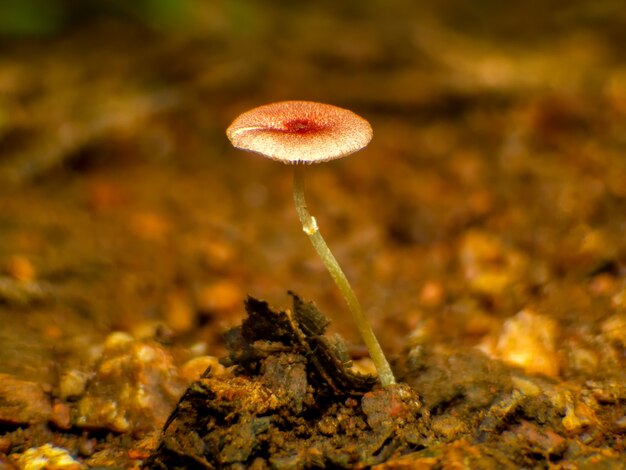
(309, 225)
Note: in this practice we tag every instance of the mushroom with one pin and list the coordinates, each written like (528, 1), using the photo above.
(296, 132)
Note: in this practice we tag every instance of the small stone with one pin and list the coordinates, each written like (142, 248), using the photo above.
(595, 242)
(61, 416)
(614, 328)
(364, 366)
(421, 328)
(448, 426)
(87, 446)
(20, 268)
(602, 284)
(221, 296)
(431, 294)
(578, 416)
(489, 266)
(581, 358)
(198, 366)
(179, 314)
(327, 425)
(48, 457)
(620, 424)
(138, 454)
(150, 329)
(134, 387)
(22, 402)
(198, 349)
(150, 226)
(619, 299)
(543, 440)
(217, 255)
(22, 294)
(526, 386)
(72, 384)
(117, 338)
(528, 340)
(5, 445)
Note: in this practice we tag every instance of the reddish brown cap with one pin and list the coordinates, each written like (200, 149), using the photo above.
(300, 131)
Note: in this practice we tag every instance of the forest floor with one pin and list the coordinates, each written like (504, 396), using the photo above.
(482, 229)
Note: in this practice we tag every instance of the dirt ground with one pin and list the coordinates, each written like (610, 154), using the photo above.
(483, 230)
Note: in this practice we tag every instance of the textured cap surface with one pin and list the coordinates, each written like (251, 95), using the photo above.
(300, 131)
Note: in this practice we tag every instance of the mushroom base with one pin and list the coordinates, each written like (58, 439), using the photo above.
(292, 401)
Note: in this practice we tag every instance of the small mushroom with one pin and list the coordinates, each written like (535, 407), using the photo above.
(297, 132)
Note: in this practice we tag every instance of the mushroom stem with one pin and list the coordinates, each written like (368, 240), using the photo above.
(309, 226)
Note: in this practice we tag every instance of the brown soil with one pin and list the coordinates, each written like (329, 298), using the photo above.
(483, 230)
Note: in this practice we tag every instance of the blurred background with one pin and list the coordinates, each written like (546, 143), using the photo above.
(495, 181)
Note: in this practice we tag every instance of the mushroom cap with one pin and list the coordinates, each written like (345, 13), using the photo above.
(300, 131)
